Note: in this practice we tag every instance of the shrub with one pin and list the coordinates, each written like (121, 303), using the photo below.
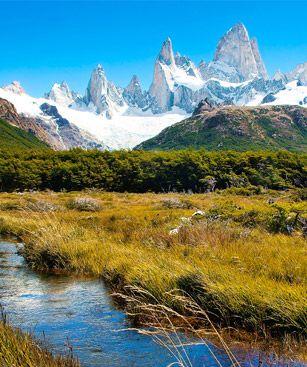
(41, 206)
(174, 203)
(84, 204)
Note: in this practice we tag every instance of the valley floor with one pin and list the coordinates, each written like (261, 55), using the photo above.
(242, 260)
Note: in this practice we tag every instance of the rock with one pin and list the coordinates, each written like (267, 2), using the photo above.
(15, 87)
(70, 135)
(236, 50)
(268, 98)
(299, 73)
(135, 97)
(279, 76)
(204, 106)
(198, 215)
(61, 94)
(102, 96)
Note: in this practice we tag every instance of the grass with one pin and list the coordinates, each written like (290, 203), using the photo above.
(19, 349)
(240, 262)
(12, 137)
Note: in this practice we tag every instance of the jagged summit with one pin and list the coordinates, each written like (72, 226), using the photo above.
(62, 94)
(166, 54)
(236, 50)
(102, 96)
(134, 83)
(15, 87)
(262, 72)
(299, 73)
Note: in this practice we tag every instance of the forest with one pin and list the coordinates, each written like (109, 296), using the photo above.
(194, 171)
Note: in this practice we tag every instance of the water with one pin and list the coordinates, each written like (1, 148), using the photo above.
(62, 308)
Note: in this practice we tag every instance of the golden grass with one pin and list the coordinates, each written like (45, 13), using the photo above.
(19, 349)
(238, 272)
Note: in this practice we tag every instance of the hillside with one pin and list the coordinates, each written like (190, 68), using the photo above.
(14, 137)
(236, 128)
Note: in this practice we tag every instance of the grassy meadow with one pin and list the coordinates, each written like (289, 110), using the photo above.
(243, 260)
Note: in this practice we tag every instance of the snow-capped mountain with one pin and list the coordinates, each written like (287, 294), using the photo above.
(236, 50)
(102, 96)
(111, 117)
(61, 93)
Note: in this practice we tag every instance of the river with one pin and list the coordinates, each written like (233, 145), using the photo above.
(79, 311)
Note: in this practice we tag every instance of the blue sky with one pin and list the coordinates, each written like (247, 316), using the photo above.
(47, 41)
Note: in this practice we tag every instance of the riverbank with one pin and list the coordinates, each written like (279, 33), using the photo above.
(243, 261)
(21, 349)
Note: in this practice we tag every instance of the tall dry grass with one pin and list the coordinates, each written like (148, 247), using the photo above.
(239, 274)
(19, 349)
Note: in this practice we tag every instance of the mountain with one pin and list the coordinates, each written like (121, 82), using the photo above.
(232, 127)
(175, 79)
(102, 96)
(65, 127)
(43, 120)
(134, 96)
(12, 132)
(61, 93)
(236, 50)
(108, 116)
(14, 137)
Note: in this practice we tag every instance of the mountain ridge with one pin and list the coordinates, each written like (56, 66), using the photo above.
(112, 117)
(236, 128)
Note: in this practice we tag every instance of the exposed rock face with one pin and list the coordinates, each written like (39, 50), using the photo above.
(221, 71)
(268, 98)
(134, 96)
(179, 83)
(69, 134)
(35, 126)
(51, 127)
(279, 76)
(160, 89)
(236, 50)
(61, 93)
(102, 96)
(15, 87)
(262, 72)
(299, 73)
(175, 80)
(204, 106)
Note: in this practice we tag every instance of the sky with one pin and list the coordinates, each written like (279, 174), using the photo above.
(44, 42)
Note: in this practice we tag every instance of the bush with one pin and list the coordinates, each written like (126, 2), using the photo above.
(41, 206)
(84, 204)
(174, 203)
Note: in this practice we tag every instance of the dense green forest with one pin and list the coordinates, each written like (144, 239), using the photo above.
(14, 137)
(139, 171)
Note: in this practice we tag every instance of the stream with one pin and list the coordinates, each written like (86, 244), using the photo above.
(61, 308)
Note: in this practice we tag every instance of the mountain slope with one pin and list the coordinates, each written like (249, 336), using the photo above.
(14, 137)
(238, 128)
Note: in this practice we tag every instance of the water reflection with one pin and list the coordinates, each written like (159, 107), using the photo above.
(62, 307)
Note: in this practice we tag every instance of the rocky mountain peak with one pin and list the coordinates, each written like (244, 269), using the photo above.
(262, 72)
(279, 75)
(15, 87)
(102, 96)
(62, 94)
(134, 96)
(239, 31)
(134, 84)
(166, 54)
(236, 50)
(205, 105)
(299, 73)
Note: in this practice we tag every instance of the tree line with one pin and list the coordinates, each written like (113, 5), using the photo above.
(140, 171)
